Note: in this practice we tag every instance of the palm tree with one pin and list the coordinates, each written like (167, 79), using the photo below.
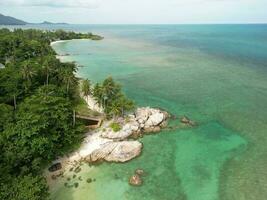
(68, 78)
(28, 72)
(115, 109)
(110, 91)
(86, 88)
(125, 104)
(98, 93)
(47, 66)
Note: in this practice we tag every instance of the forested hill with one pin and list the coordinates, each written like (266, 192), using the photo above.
(38, 94)
(6, 20)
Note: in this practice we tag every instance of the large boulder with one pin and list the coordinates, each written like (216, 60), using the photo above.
(125, 151)
(142, 114)
(117, 151)
(154, 119)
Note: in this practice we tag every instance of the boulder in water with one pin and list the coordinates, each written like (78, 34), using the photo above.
(135, 180)
(186, 120)
(139, 172)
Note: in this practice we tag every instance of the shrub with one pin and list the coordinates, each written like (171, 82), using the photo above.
(115, 126)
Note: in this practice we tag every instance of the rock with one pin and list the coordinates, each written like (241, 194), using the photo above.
(164, 124)
(156, 129)
(125, 132)
(142, 114)
(192, 123)
(125, 151)
(117, 151)
(152, 129)
(139, 172)
(155, 119)
(55, 167)
(89, 180)
(135, 180)
(185, 120)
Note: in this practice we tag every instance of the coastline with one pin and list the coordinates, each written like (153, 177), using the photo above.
(58, 41)
(105, 144)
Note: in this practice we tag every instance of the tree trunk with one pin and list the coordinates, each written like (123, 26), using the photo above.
(15, 102)
(47, 78)
(74, 118)
(68, 86)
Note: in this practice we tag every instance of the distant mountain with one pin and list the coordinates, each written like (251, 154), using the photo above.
(51, 23)
(6, 20)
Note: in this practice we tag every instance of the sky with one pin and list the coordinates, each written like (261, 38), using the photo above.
(137, 11)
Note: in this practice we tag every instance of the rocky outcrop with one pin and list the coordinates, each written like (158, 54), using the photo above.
(117, 151)
(107, 145)
(125, 132)
(144, 120)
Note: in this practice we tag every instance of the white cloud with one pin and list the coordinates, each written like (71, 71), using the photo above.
(52, 3)
(137, 11)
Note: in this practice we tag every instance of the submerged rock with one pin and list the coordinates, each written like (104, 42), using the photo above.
(186, 120)
(135, 180)
(139, 172)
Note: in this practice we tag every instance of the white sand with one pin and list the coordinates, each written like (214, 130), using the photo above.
(58, 41)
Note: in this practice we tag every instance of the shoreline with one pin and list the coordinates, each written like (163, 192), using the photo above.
(62, 41)
(105, 144)
(58, 41)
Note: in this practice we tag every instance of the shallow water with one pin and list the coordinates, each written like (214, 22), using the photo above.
(216, 75)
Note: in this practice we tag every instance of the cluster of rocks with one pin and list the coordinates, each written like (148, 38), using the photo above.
(118, 148)
(144, 120)
(109, 145)
(136, 179)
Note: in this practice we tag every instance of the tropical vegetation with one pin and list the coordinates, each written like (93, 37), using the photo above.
(38, 94)
(109, 96)
(38, 99)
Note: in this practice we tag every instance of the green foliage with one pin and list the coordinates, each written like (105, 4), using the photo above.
(6, 116)
(37, 97)
(115, 126)
(86, 87)
(110, 97)
(24, 187)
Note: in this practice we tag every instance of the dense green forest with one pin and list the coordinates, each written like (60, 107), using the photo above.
(38, 95)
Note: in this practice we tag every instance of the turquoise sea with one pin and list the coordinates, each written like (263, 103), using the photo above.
(214, 74)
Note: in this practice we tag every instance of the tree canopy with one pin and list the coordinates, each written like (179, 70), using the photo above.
(37, 97)
(109, 95)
